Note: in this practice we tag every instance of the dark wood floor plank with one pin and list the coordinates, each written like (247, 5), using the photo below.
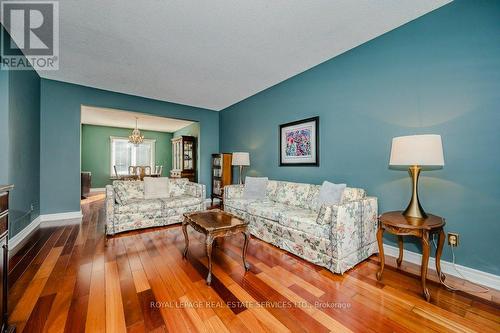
(38, 316)
(24, 256)
(152, 316)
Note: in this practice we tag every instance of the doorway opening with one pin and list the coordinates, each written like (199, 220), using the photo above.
(119, 144)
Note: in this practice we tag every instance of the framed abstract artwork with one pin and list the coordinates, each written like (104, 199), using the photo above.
(299, 143)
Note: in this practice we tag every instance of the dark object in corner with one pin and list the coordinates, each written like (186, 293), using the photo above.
(4, 258)
(85, 183)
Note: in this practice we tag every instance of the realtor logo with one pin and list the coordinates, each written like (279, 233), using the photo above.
(34, 32)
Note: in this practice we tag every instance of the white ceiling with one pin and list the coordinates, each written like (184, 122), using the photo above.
(212, 54)
(126, 119)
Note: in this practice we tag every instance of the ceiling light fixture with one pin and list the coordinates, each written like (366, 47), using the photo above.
(136, 137)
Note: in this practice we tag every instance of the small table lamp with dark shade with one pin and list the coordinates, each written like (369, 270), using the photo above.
(241, 160)
(415, 152)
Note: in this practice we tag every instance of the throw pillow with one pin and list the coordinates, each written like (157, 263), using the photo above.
(156, 188)
(255, 188)
(330, 193)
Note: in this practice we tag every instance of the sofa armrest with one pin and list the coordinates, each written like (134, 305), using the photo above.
(109, 206)
(233, 192)
(195, 190)
(353, 224)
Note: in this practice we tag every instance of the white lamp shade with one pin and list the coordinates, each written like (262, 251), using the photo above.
(422, 150)
(241, 159)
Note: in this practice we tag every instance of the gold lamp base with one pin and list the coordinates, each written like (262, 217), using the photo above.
(414, 208)
(240, 178)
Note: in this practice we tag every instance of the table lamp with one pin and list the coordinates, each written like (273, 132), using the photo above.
(241, 160)
(415, 152)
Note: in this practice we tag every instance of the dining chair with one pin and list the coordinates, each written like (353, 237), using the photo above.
(134, 170)
(158, 170)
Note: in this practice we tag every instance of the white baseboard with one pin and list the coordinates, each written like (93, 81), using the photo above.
(61, 218)
(483, 278)
(46, 220)
(97, 189)
(23, 234)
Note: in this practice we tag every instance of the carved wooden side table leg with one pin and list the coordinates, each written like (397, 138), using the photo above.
(380, 235)
(401, 248)
(425, 263)
(186, 238)
(208, 243)
(245, 246)
(439, 251)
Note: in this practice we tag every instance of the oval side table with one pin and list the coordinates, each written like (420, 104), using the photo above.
(398, 224)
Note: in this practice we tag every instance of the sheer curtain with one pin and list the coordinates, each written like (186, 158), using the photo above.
(125, 154)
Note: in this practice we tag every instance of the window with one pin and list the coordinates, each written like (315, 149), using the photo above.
(125, 154)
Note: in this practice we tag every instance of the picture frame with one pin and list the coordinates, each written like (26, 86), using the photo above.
(299, 143)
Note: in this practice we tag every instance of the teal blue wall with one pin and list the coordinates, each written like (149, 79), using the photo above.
(20, 152)
(4, 125)
(24, 146)
(60, 136)
(438, 74)
(192, 130)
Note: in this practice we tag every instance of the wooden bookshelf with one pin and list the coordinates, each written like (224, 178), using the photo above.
(222, 175)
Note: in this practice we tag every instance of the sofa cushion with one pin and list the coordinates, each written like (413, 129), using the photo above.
(179, 201)
(266, 209)
(304, 220)
(319, 244)
(140, 206)
(272, 187)
(293, 194)
(240, 204)
(128, 191)
(351, 194)
(177, 186)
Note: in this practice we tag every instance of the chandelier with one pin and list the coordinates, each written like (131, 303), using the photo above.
(136, 137)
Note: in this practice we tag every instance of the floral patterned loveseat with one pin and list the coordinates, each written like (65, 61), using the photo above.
(126, 208)
(333, 236)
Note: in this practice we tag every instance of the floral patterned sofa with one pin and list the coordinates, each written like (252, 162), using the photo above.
(333, 236)
(126, 208)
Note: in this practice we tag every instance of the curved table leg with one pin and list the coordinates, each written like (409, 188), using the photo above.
(245, 247)
(380, 234)
(186, 238)
(208, 244)
(439, 251)
(425, 262)
(400, 258)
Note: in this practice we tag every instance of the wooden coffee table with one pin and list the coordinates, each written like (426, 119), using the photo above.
(213, 224)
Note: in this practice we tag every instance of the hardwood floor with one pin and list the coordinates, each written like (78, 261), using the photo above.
(139, 282)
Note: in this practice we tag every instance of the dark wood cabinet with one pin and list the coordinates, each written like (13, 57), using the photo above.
(222, 174)
(184, 158)
(4, 261)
